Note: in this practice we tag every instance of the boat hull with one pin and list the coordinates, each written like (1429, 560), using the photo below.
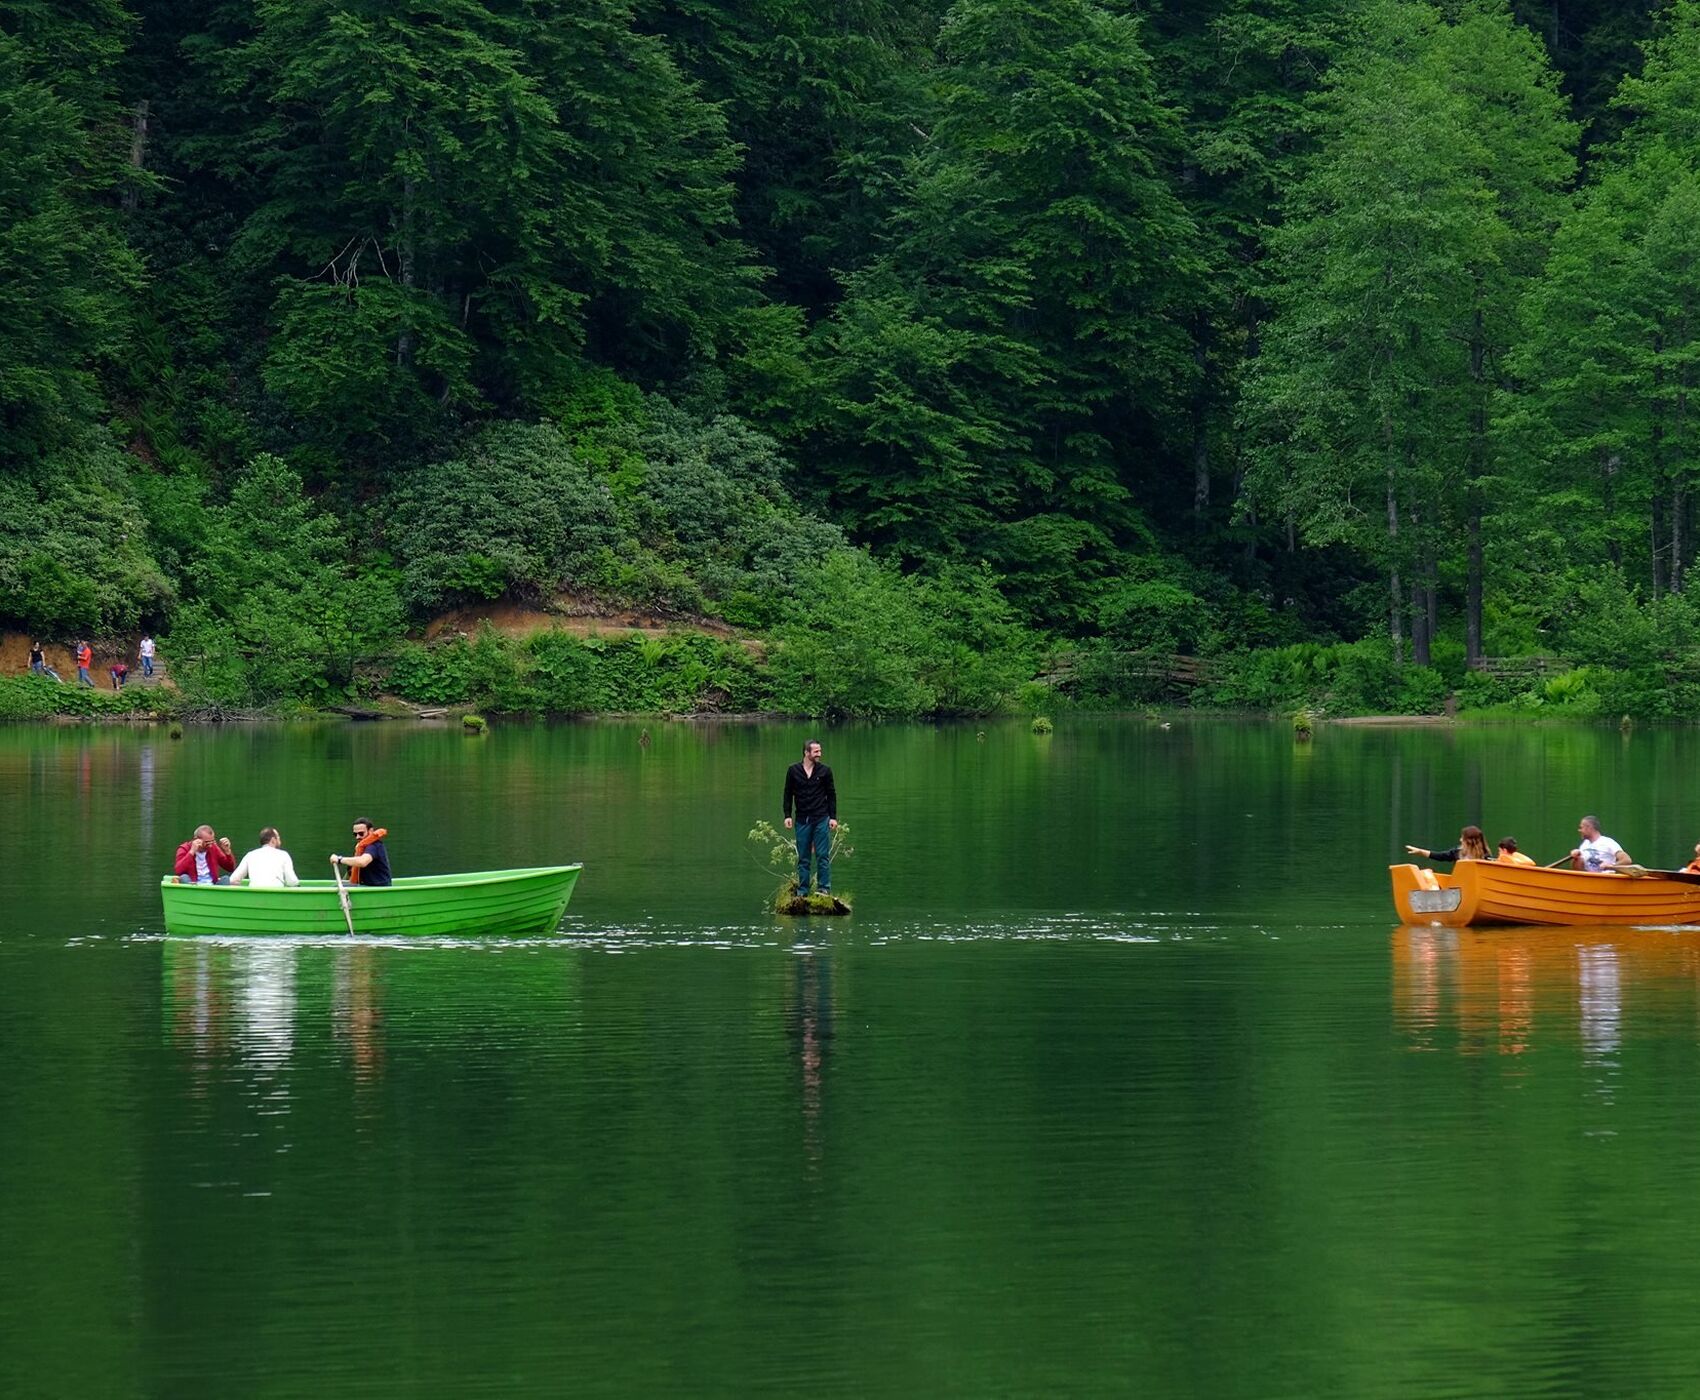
(1486, 892)
(505, 903)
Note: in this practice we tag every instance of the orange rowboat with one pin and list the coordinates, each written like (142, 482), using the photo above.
(1486, 892)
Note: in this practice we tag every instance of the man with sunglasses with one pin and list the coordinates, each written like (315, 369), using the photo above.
(370, 861)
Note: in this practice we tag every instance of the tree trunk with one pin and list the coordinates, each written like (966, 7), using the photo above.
(404, 341)
(1393, 588)
(1677, 506)
(138, 154)
(1431, 594)
(1473, 589)
(1656, 540)
(1657, 457)
(1200, 421)
(1473, 493)
(1419, 625)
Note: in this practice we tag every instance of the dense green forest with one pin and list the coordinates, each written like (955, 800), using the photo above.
(939, 347)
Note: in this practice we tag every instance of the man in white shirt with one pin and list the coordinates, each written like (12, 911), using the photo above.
(268, 865)
(1597, 853)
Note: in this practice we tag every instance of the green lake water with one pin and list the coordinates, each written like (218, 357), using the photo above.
(1120, 1080)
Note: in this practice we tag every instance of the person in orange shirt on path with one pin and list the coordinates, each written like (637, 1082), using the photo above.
(1510, 855)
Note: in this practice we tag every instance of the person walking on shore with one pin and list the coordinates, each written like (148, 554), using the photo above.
(811, 794)
(38, 663)
(145, 653)
(85, 659)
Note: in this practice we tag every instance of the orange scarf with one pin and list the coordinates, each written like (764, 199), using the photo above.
(377, 833)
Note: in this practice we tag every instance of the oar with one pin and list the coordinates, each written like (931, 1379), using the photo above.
(342, 894)
(1640, 872)
(1554, 864)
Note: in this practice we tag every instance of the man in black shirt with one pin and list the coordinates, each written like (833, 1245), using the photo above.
(810, 792)
(370, 861)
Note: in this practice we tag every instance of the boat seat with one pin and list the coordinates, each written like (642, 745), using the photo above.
(1426, 880)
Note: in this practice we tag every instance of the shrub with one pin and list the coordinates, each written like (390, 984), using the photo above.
(74, 553)
(277, 615)
(514, 512)
(855, 645)
(39, 697)
(1153, 615)
(1344, 678)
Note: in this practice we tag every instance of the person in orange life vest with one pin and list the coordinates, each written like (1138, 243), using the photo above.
(202, 856)
(370, 862)
(1510, 855)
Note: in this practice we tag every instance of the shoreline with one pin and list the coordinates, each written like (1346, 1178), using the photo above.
(452, 717)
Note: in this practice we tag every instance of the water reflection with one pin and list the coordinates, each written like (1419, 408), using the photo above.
(1506, 991)
(264, 978)
(809, 1024)
(354, 1011)
(243, 1003)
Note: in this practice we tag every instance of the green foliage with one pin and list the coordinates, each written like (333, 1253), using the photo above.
(858, 645)
(1041, 724)
(74, 553)
(40, 697)
(1346, 678)
(991, 377)
(276, 614)
(559, 673)
(516, 513)
(1112, 330)
(453, 203)
(775, 852)
(1152, 615)
(1441, 155)
(65, 271)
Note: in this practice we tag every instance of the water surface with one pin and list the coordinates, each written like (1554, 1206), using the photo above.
(1120, 1080)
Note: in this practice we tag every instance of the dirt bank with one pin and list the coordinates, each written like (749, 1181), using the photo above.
(15, 656)
(567, 612)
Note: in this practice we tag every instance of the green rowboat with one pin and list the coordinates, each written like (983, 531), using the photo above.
(508, 903)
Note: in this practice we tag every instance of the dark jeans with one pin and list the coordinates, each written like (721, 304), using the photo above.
(818, 836)
(147, 665)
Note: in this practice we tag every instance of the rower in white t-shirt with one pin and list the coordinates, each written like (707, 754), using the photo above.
(1596, 853)
(268, 865)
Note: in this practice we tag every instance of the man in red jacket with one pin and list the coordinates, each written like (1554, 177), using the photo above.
(200, 858)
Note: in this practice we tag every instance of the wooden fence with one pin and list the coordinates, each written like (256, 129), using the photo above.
(1180, 672)
(1517, 667)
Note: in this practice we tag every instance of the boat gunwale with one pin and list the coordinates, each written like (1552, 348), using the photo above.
(404, 883)
(1496, 893)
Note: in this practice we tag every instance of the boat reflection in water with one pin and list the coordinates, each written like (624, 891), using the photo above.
(1507, 991)
(242, 1002)
(259, 1003)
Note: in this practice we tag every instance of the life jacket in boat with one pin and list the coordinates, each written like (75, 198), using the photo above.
(371, 838)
